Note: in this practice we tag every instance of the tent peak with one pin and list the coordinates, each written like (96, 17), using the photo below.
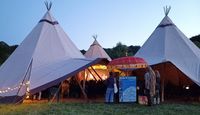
(167, 10)
(48, 5)
(95, 37)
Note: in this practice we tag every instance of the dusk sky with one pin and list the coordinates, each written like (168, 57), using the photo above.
(128, 21)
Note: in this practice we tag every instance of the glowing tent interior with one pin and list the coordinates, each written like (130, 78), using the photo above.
(96, 51)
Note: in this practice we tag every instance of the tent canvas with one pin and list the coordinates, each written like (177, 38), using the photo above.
(44, 58)
(168, 44)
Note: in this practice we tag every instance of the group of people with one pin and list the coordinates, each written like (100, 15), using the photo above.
(152, 86)
(151, 90)
(71, 89)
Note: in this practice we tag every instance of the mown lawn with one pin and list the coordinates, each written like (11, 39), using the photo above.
(99, 109)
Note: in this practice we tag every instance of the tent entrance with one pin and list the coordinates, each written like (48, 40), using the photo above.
(73, 89)
(74, 85)
(175, 85)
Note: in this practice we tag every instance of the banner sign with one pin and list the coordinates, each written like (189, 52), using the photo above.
(127, 89)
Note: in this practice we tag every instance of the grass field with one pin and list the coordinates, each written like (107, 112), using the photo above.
(99, 109)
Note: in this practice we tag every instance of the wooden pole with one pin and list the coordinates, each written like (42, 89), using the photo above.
(84, 79)
(163, 83)
(86, 76)
(96, 73)
(92, 74)
(83, 91)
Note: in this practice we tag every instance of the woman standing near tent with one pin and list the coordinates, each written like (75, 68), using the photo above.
(110, 88)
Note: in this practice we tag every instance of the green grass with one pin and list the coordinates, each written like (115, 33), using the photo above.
(99, 109)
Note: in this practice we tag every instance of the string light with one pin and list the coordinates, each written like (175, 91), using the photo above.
(27, 97)
(28, 89)
(28, 82)
(9, 89)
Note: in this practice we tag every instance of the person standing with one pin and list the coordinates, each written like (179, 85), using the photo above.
(157, 95)
(110, 88)
(150, 81)
(147, 85)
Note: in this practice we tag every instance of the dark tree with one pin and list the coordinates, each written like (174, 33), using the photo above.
(132, 50)
(5, 51)
(196, 40)
(83, 51)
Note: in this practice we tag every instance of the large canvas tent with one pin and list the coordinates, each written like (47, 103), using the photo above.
(96, 51)
(172, 53)
(46, 57)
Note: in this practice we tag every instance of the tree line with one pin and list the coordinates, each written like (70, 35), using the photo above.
(5, 51)
(120, 50)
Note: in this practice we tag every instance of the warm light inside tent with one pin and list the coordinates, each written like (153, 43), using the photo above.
(28, 89)
(102, 67)
(101, 70)
(187, 87)
(104, 77)
(28, 82)
(96, 72)
(89, 76)
(27, 97)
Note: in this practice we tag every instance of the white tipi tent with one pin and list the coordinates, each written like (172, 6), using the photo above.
(45, 58)
(167, 44)
(96, 51)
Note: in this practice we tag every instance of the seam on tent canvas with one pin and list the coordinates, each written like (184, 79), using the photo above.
(57, 33)
(50, 22)
(165, 25)
(72, 44)
(178, 31)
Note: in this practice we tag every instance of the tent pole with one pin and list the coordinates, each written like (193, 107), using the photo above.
(163, 84)
(92, 75)
(83, 91)
(25, 76)
(96, 73)
(84, 79)
(86, 76)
